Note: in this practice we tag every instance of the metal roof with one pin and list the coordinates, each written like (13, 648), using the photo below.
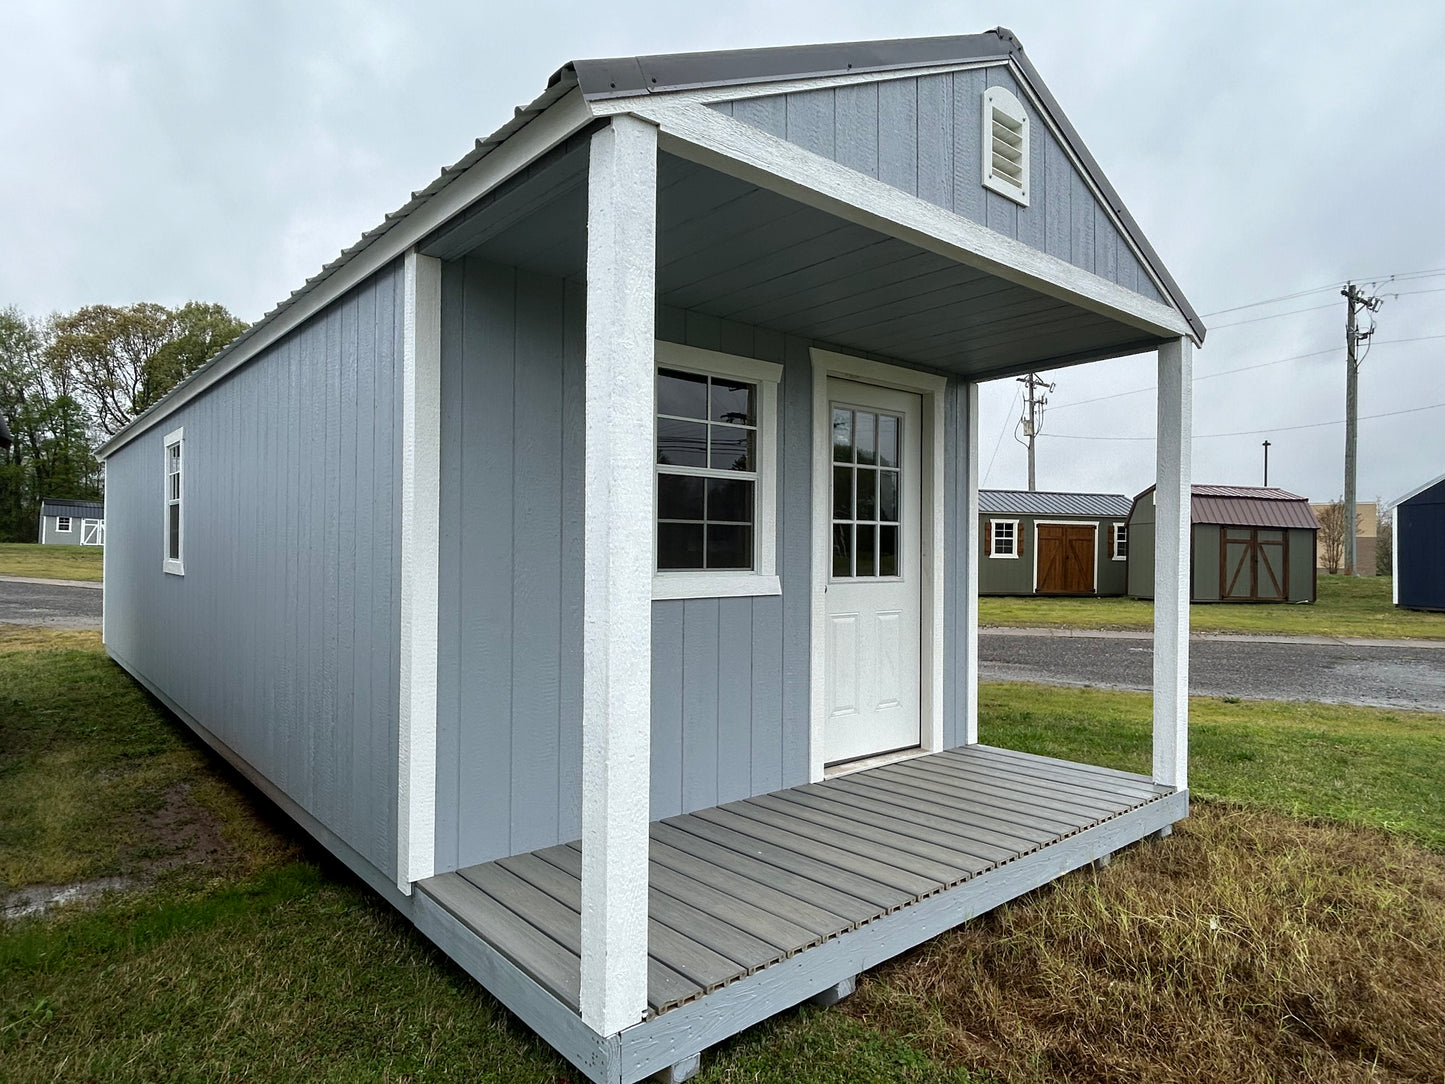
(1247, 506)
(77, 509)
(1020, 502)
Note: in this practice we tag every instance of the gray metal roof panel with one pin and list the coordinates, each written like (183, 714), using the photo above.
(77, 509)
(1024, 503)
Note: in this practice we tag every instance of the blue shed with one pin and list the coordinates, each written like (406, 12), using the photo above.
(588, 556)
(1419, 540)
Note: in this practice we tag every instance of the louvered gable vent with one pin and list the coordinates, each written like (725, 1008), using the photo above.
(1005, 145)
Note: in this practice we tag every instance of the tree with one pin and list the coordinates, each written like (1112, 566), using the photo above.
(1331, 543)
(123, 360)
(1384, 544)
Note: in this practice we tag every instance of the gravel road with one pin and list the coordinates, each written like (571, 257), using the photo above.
(50, 604)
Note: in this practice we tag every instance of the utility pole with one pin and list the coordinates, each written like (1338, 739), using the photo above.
(1355, 299)
(1033, 419)
(1266, 464)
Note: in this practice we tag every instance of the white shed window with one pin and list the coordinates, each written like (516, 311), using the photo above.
(175, 527)
(62, 524)
(1003, 538)
(1005, 145)
(1120, 545)
(716, 441)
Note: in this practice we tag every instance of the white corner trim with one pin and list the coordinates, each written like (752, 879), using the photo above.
(970, 567)
(704, 135)
(1395, 557)
(930, 387)
(619, 511)
(173, 566)
(561, 120)
(1171, 565)
(420, 570)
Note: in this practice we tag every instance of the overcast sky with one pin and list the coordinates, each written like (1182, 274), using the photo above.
(224, 151)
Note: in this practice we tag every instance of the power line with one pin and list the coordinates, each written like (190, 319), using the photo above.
(1272, 316)
(1257, 432)
(1001, 433)
(1377, 279)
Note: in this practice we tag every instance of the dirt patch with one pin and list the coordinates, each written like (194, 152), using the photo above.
(185, 833)
(1248, 947)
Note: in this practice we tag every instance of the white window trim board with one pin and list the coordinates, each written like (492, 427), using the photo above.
(173, 566)
(931, 388)
(420, 569)
(68, 527)
(1114, 553)
(1066, 523)
(1002, 100)
(700, 583)
(993, 541)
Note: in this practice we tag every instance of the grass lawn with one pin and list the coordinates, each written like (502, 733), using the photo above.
(1347, 607)
(1292, 927)
(50, 562)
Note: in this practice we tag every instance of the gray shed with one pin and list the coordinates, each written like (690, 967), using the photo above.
(588, 556)
(1052, 543)
(1248, 544)
(72, 523)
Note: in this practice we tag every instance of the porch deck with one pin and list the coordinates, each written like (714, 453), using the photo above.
(740, 889)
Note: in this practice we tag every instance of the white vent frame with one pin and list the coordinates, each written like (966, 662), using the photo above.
(1002, 174)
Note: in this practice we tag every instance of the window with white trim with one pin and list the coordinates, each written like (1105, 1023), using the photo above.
(62, 524)
(1005, 145)
(1004, 538)
(715, 474)
(1120, 542)
(175, 527)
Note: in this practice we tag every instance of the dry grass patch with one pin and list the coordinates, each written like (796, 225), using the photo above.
(38, 638)
(1249, 947)
(51, 562)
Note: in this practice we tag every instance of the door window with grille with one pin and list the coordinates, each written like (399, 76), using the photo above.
(867, 479)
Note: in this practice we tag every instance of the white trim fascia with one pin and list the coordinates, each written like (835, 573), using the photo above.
(1172, 533)
(420, 570)
(738, 92)
(176, 566)
(619, 512)
(561, 120)
(931, 655)
(970, 568)
(705, 136)
(1413, 493)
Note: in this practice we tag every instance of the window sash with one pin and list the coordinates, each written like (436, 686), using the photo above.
(174, 528)
(62, 524)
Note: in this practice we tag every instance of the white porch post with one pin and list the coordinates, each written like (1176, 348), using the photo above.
(968, 632)
(617, 593)
(1171, 565)
(420, 504)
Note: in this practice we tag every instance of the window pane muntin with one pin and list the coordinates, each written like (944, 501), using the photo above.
(857, 540)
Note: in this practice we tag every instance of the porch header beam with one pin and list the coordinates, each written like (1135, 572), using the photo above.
(1171, 565)
(617, 571)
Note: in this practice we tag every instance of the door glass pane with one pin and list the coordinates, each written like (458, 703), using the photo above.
(679, 497)
(888, 496)
(887, 441)
(842, 435)
(842, 550)
(842, 492)
(732, 448)
(679, 545)
(683, 394)
(732, 401)
(887, 551)
(867, 538)
(729, 545)
(730, 500)
(866, 437)
(681, 444)
(867, 494)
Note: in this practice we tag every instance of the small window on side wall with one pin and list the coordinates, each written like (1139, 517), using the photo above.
(174, 491)
(715, 474)
(62, 524)
(1003, 538)
(1121, 542)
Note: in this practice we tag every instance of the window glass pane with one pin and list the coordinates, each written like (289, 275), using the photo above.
(729, 499)
(173, 543)
(867, 537)
(732, 448)
(867, 495)
(888, 496)
(732, 401)
(683, 394)
(887, 441)
(842, 550)
(842, 492)
(681, 444)
(887, 551)
(679, 545)
(729, 546)
(842, 435)
(866, 437)
(679, 497)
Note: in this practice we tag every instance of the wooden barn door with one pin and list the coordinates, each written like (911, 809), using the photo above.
(1066, 559)
(1253, 565)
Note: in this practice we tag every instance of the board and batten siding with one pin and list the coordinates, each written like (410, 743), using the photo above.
(923, 135)
(281, 637)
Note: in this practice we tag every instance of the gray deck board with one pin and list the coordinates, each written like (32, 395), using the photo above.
(738, 889)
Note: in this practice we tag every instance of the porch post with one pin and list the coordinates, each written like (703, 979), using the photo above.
(617, 569)
(968, 633)
(1171, 564)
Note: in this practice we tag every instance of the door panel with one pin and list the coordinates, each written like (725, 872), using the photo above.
(1236, 576)
(1253, 564)
(874, 591)
(1066, 558)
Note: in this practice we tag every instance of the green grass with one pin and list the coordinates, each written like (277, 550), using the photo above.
(1347, 607)
(50, 562)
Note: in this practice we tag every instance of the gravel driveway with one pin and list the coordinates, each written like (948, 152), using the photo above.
(50, 603)
(1396, 674)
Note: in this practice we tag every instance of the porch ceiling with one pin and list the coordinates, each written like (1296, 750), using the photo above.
(730, 249)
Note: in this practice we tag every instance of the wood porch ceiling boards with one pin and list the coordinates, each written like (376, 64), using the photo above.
(739, 887)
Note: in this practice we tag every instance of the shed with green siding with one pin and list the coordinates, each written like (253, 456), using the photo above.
(1052, 543)
(1247, 544)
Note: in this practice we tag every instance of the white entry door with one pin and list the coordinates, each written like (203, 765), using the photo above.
(874, 587)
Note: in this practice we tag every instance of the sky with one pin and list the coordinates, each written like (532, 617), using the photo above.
(223, 151)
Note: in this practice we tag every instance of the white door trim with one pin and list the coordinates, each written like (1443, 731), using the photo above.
(1094, 523)
(930, 388)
